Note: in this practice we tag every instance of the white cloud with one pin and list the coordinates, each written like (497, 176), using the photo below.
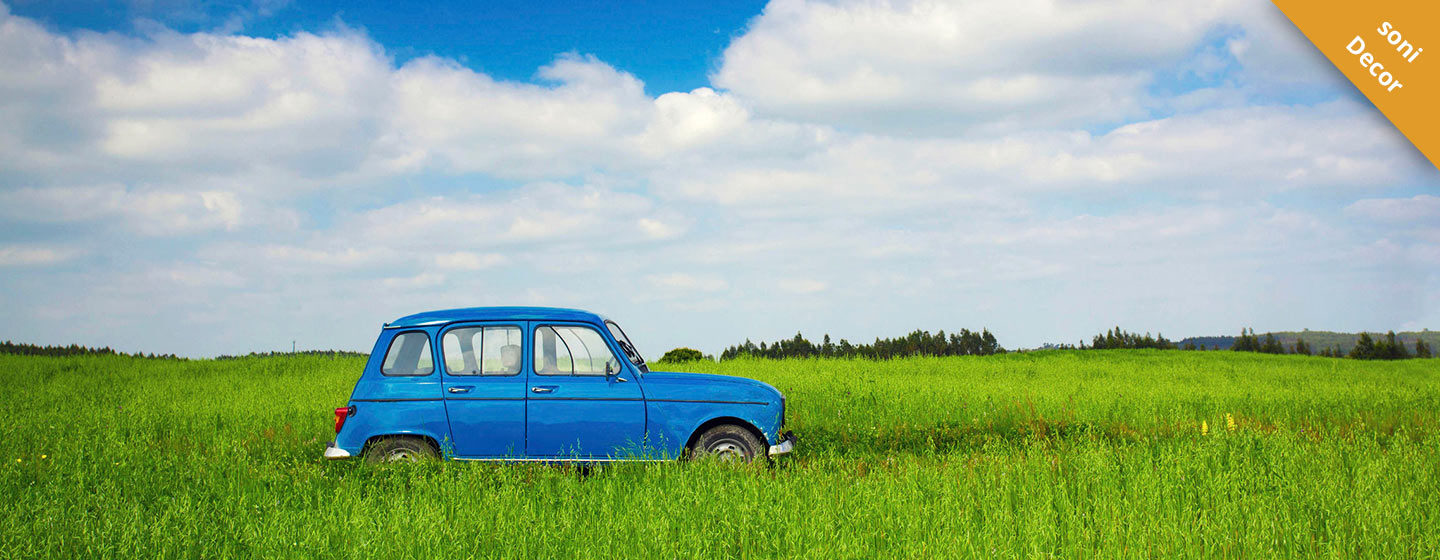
(925, 164)
(19, 255)
(198, 276)
(425, 280)
(148, 211)
(540, 212)
(1276, 55)
(1231, 152)
(1419, 208)
(686, 283)
(464, 260)
(684, 120)
(656, 229)
(946, 66)
(328, 258)
(461, 120)
(801, 286)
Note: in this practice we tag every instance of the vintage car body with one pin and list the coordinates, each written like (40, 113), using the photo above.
(546, 384)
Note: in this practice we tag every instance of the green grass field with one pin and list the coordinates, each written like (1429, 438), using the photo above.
(1073, 454)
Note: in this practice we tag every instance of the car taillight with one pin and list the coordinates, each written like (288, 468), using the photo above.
(341, 414)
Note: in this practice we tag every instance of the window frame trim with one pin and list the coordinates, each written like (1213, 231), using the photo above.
(429, 342)
(473, 325)
(605, 337)
(641, 367)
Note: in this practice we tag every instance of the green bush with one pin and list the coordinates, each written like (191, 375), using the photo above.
(682, 355)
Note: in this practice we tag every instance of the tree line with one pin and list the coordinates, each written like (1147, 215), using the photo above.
(918, 343)
(325, 353)
(1116, 338)
(24, 349)
(1366, 348)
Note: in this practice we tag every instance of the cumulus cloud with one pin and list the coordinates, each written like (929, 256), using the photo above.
(686, 283)
(464, 260)
(145, 211)
(1214, 153)
(18, 255)
(1044, 168)
(947, 66)
(466, 121)
(1416, 209)
(935, 67)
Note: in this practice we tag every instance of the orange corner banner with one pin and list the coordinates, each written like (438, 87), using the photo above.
(1382, 47)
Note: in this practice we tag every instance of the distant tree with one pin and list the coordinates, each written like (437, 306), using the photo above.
(917, 343)
(1117, 338)
(1422, 350)
(1301, 347)
(1189, 345)
(1389, 348)
(1246, 342)
(1272, 345)
(682, 355)
(24, 349)
(1364, 348)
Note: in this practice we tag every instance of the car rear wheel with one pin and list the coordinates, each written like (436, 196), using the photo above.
(400, 449)
(729, 442)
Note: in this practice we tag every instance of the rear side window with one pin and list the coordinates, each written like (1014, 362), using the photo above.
(482, 351)
(567, 350)
(409, 354)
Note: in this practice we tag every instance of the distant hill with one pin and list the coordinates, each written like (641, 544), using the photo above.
(1317, 339)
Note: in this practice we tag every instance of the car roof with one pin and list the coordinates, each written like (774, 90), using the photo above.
(443, 316)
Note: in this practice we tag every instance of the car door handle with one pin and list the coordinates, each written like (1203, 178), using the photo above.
(459, 389)
(542, 389)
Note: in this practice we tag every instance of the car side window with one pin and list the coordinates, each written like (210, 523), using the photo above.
(572, 350)
(482, 350)
(409, 355)
(461, 348)
(501, 354)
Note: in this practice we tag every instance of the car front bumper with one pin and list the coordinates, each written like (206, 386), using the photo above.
(332, 452)
(786, 445)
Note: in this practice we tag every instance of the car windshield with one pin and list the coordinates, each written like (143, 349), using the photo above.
(626, 346)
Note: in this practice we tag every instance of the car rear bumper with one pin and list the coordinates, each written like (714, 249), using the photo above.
(786, 445)
(332, 452)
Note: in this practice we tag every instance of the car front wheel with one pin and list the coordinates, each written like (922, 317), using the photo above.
(400, 449)
(729, 442)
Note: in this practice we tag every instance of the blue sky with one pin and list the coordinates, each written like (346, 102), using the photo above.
(671, 45)
(212, 178)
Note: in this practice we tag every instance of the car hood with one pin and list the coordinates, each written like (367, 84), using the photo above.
(674, 385)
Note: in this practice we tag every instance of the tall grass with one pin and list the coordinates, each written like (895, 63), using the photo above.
(1048, 454)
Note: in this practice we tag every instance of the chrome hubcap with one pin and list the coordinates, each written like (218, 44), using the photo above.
(727, 450)
(402, 455)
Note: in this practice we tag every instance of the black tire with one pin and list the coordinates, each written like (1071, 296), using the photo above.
(728, 442)
(400, 449)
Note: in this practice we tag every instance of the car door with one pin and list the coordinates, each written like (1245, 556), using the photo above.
(484, 388)
(573, 409)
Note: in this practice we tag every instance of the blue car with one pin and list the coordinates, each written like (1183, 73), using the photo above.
(543, 384)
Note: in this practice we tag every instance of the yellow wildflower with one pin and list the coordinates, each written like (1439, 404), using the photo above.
(1204, 428)
(42, 456)
(1229, 422)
